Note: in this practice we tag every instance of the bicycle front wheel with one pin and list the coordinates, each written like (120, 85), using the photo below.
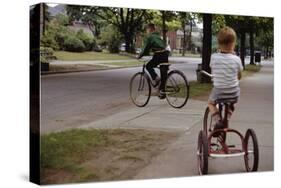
(176, 89)
(140, 89)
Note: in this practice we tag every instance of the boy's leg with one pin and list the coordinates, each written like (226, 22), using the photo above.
(150, 68)
(163, 72)
(218, 124)
(163, 58)
(212, 107)
(230, 111)
(214, 111)
(216, 118)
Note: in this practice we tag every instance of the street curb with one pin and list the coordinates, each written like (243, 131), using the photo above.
(88, 70)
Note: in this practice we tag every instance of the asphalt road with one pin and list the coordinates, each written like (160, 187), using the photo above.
(73, 99)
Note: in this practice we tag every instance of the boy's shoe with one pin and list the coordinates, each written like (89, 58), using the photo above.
(162, 95)
(156, 81)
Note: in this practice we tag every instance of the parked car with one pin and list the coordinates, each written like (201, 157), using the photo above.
(122, 47)
(138, 50)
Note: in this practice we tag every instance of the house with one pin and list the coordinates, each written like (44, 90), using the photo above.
(56, 9)
(196, 39)
(175, 39)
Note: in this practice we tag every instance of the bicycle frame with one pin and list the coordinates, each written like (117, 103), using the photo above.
(147, 74)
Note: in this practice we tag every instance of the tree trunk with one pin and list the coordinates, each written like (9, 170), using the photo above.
(242, 48)
(190, 37)
(252, 47)
(92, 28)
(207, 45)
(128, 42)
(184, 42)
(164, 28)
(265, 52)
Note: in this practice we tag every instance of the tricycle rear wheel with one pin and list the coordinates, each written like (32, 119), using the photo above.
(202, 153)
(252, 151)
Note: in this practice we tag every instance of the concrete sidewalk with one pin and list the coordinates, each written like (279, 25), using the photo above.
(254, 110)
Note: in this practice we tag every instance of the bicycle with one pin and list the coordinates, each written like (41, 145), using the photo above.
(176, 87)
(213, 146)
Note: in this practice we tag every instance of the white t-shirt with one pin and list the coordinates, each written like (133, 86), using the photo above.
(225, 68)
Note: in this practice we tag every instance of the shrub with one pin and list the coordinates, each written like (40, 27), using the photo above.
(49, 41)
(86, 39)
(74, 44)
(44, 60)
(46, 54)
(47, 50)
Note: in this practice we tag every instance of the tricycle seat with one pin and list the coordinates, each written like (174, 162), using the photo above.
(227, 100)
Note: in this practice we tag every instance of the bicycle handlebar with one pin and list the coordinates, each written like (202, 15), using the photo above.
(206, 73)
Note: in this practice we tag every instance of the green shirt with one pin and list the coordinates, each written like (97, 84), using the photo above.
(153, 42)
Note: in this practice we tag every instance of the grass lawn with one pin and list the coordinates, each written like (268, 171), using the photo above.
(197, 89)
(81, 155)
(251, 69)
(87, 56)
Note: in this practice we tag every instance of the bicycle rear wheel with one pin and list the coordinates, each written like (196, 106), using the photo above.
(140, 89)
(176, 89)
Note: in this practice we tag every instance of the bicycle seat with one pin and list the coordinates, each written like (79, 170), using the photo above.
(227, 100)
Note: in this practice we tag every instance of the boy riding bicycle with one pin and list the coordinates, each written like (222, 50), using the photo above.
(226, 69)
(155, 43)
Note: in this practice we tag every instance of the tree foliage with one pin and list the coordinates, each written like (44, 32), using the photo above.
(127, 21)
(60, 37)
(187, 19)
(111, 38)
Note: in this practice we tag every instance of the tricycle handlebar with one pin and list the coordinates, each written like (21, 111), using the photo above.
(206, 73)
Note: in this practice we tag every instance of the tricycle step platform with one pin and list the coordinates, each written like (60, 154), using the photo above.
(223, 154)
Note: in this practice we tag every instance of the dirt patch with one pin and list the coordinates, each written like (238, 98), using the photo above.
(121, 157)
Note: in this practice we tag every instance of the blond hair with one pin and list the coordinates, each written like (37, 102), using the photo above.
(226, 38)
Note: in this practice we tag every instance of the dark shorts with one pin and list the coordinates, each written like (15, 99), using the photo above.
(224, 93)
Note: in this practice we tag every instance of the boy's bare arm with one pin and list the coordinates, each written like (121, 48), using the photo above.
(239, 75)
